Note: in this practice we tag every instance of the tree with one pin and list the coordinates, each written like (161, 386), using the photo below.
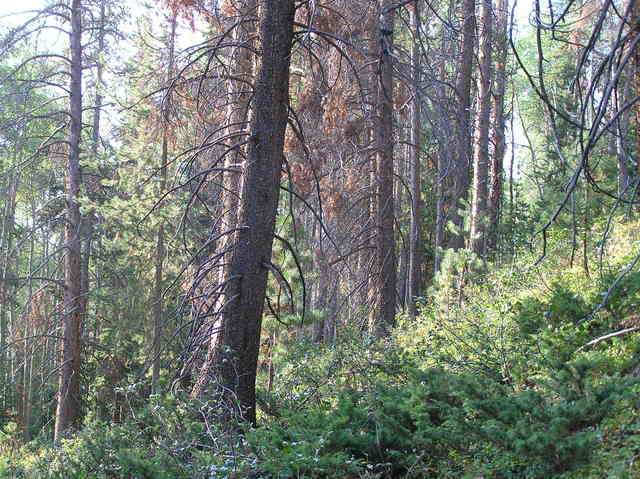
(68, 410)
(498, 127)
(61, 79)
(236, 350)
(385, 279)
(453, 172)
(479, 205)
(238, 92)
(160, 253)
(416, 249)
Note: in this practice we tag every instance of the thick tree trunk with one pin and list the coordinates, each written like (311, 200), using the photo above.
(239, 93)
(498, 123)
(416, 250)
(236, 349)
(238, 114)
(68, 406)
(480, 203)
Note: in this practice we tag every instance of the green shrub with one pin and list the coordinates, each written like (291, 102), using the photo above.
(165, 440)
(446, 421)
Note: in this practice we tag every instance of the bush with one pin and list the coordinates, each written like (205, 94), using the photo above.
(440, 419)
(165, 440)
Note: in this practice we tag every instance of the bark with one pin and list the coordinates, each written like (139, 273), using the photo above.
(498, 123)
(416, 251)
(68, 400)
(635, 23)
(7, 289)
(157, 301)
(454, 176)
(366, 261)
(236, 349)
(446, 141)
(27, 384)
(239, 93)
(619, 147)
(385, 280)
(480, 203)
(88, 220)
(29, 321)
(238, 112)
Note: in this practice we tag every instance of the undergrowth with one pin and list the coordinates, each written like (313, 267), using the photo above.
(498, 377)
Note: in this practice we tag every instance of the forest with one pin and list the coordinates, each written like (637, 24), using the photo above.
(319, 239)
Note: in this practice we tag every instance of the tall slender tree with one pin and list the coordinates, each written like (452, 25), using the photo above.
(68, 411)
(480, 203)
(160, 253)
(416, 250)
(498, 125)
(385, 310)
(454, 171)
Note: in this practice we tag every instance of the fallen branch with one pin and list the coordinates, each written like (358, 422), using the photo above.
(608, 336)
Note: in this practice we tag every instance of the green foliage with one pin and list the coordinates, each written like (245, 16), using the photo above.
(623, 300)
(298, 451)
(438, 417)
(466, 322)
(165, 440)
(494, 385)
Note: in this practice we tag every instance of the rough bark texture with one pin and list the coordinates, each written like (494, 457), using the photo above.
(239, 93)
(498, 123)
(7, 289)
(385, 280)
(416, 251)
(68, 406)
(237, 345)
(635, 22)
(453, 178)
(480, 203)
(88, 220)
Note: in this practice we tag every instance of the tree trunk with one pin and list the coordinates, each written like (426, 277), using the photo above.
(237, 116)
(385, 279)
(322, 291)
(635, 23)
(88, 220)
(454, 180)
(479, 205)
(157, 301)
(236, 349)
(7, 289)
(499, 141)
(446, 142)
(68, 407)
(416, 250)
(238, 112)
